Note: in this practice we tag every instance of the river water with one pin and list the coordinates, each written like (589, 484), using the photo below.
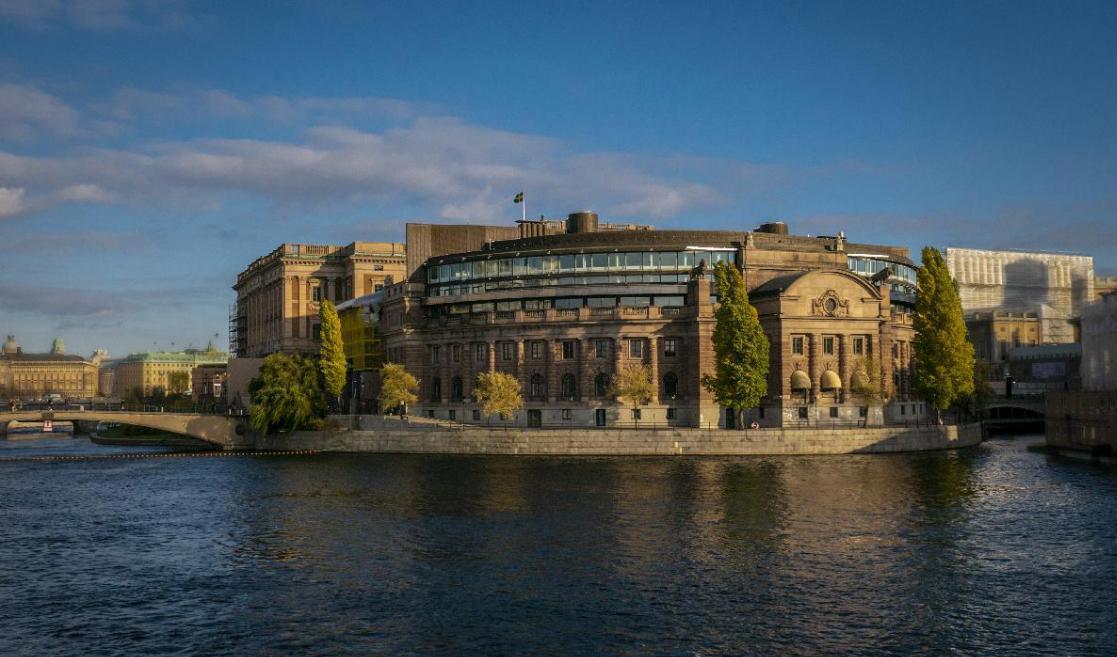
(992, 550)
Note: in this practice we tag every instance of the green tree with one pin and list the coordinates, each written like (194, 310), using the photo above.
(944, 358)
(178, 382)
(499, 393)
(868, 383)
(632, 384)
(741, 377)
(287, 396)
(331, 353)
(974, 403)
(397, 388)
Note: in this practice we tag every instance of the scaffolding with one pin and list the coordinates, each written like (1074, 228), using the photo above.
(238, 336)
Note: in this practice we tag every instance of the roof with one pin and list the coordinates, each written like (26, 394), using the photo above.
(194, 357)
(25, 357)
(778, 284)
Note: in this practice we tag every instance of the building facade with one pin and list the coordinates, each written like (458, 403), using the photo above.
(278, 294)
(563, 312)
(995, 334)
(33, 375)
(1054, 287)
(146, 374)
(207, 382)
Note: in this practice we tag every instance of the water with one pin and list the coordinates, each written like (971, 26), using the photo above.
(988, 551)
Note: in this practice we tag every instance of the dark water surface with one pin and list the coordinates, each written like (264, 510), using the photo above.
(987, 551)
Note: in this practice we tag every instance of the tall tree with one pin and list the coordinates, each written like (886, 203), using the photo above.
(498, 392)
(397, 388)
(944, 358)
(331, 354)
(632, 384)
(741, 377)
(287, 395)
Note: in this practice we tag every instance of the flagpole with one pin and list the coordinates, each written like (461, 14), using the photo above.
(523, 209)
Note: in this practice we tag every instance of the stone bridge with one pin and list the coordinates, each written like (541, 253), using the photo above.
(226, 432)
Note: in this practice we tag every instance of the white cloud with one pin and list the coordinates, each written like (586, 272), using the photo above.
(101, 15)
(11, 201)
(27, 111)
(84, 193)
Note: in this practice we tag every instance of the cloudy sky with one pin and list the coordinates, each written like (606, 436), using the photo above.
(150, 149)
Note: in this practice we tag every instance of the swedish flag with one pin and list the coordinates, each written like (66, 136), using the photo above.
(519, 198)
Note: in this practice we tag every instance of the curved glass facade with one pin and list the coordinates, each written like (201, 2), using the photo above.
(902, 282)
(504, 272)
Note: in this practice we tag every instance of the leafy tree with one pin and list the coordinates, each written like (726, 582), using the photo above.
(633, 384)
(870, 384)
(741, 377)
(498, 392)
(944, 358)
(178, 382)
(397, 388)
(287, 395)
(331, 358)
(974, 403)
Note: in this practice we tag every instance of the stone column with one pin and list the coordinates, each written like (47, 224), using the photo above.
(815, 366)
(491, 355)
(653, 367)
(553, 376)
(845, 364)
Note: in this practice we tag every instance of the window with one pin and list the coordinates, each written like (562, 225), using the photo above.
(635, 414)
(828, 345)
(599, 417)
(480, 352)
(895, 349)
(536, 350)
(378, 268)
(569, 386)
(456, 353)
(436, 389)
(833, 411)
(538, 387)
(670, 347)
(858, 345)
(456, 389)
(430, 413)
(636, 348)
(316, 293)
(802, 412)
(797, 345)
(453, 414)
(566, 414)
(670, 385)
(903, 409)
(434, 354)
(507, 351)
(672, 413)
(601, 385)
(863, 411)
(568, 350)
(476, 415)
(601, 348)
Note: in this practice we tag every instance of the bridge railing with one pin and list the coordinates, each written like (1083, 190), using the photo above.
(126, 407)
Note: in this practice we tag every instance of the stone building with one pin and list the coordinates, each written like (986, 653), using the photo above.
(278, 294)
(996, 333)
(207, 382)
(1054, 287)
(564, 311)
(144, 374)
(32, 375)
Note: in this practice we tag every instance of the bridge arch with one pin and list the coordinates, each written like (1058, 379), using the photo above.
(226, 432)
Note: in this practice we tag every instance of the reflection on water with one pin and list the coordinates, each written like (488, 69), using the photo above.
(987, 551)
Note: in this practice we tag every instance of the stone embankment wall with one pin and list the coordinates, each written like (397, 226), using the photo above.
(589, 442)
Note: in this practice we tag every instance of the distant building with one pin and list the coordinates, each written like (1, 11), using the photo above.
(1104, 285)
(32, 375)
(1040, 369)
(146, 373)
(1055, 287)
(1099, 345)
(278, 294)
(1087, 419)
(207, 382)
(996, 333)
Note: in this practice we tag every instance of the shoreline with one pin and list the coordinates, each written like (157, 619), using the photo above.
(613, 442)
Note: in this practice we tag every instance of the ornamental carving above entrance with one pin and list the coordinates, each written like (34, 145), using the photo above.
(830, 305)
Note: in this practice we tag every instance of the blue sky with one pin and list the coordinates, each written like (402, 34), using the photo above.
(150, 150)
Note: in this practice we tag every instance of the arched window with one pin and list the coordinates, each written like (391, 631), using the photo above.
(456, 388)
(601, 385)
(569, 386)
(538, 386)
(670, 385)
(436, 389)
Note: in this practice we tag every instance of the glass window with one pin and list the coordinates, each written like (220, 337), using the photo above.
(672, 413)
(568, 303)
(828, 345)
(802, 412)
(507, 351)
(536, 350)
(444, 272)
(456, 353)
(434, 354)
(568, 350)
(534, 265)
(566, 413)
(636, 348)
(649, 260)
(601, 260)
(480, 352)
(686, 259)
(566, 262)
(667, 260)
(671, 301)
(504, 267)
(601, 302)
(601, 348)
(632, 260)
(636, 302)
(601, 385)
(670, 385)
(670, 347)
(797, 345)
(858, 345)
(833, 411)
